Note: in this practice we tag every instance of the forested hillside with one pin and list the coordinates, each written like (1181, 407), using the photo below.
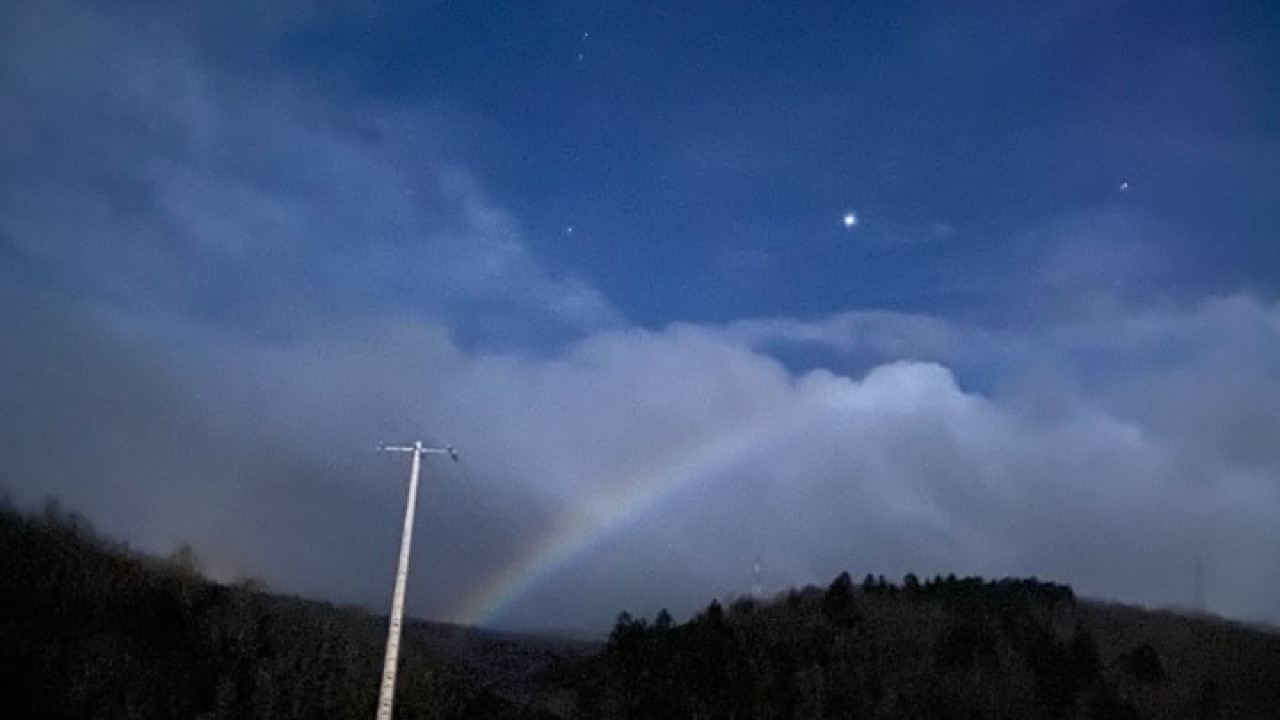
(89, 629)
(943, 648)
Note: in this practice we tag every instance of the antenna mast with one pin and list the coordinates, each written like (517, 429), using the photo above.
(757, 588)
(1199, 586)
(388, 690)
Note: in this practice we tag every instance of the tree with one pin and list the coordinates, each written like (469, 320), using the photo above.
(838, 603)
(1144, 663)
(1084, 655)
(1108, 705)
(911, 583)
(811, 691)
(625, 629)
(742, 606)
(1207, 706)
(184, 559)
(662, 621)
(715, 613)
(52, 512)
(842, 585)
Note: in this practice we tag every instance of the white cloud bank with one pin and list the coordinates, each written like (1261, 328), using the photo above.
(1115, 479)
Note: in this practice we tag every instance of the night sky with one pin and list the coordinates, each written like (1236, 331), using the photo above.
(987, 287)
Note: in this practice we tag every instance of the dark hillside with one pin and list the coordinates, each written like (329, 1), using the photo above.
(1191, 660)
(945, 648)
(91, 630)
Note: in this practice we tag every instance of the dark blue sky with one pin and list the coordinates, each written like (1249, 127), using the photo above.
(704, 154)
(601, 247)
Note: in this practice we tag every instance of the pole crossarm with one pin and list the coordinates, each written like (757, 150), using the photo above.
(419, 448)
(386, 693)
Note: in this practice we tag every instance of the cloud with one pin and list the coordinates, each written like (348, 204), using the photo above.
(892, 334)
(227, 288)
(903, 469)
(249, 199)
(662, 462)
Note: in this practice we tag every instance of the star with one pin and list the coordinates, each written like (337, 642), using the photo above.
(850, 220)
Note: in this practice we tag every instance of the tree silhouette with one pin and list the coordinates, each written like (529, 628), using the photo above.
(1143, 662)
(911, 583)
(838, 605)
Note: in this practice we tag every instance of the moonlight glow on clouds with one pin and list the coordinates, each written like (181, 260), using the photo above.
(231, 270)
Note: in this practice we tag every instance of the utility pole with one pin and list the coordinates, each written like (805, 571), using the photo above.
(387, 693)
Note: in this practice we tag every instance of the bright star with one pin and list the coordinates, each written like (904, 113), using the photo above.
(850, 220)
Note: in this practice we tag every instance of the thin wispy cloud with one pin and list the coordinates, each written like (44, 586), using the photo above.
(263, 201)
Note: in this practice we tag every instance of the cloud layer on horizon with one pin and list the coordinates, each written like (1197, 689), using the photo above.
(1114, 474)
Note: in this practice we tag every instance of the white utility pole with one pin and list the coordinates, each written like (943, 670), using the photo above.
(387, 694)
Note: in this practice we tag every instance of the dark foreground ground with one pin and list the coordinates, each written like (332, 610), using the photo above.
(91, 630)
